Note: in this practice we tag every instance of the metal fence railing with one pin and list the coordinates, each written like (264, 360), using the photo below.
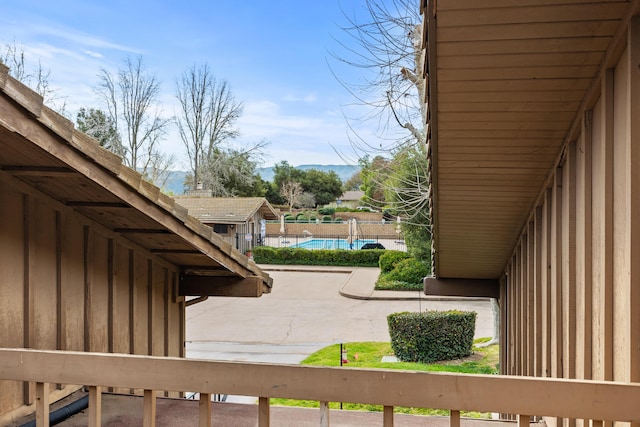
(324, 241)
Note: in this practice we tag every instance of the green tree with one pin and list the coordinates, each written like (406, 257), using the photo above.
(99, 126)
(283, 172)
(353, 183)
(325, 186)
(230, 172)
(374, 173)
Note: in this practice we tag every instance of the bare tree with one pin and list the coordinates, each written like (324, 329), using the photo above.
(206, 123)
(291, 192)
(386, 47)
(36, 77)
(131, 98)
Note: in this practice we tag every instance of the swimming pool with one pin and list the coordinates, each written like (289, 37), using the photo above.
(331, 244)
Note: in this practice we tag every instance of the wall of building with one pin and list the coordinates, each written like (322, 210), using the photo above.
(571, 300)
(68, 284)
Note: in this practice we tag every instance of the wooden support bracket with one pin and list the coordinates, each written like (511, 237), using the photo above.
(228, 286)
(462, 287)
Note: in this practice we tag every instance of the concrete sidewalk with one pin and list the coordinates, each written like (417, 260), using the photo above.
(361, 283)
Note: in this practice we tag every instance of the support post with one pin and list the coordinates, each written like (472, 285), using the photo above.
(523, 420)
(264, 412)
(387, 420)
(95, 406)
(149, 408)
(454, 418)
(324, 414)
(42, 404)
(204, 407)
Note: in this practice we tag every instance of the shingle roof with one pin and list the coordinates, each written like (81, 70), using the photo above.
(352, 195)
(227, 209)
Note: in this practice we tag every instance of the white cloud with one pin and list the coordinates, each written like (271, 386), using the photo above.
(93, 54)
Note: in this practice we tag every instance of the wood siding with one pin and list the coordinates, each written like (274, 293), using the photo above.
(582, 242)
(66, 283)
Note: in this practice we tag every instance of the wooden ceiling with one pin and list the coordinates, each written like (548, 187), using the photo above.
(43, 150)
(507, 81)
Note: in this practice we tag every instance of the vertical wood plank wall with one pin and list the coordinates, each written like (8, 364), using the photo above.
(68, 284)
(574, 277)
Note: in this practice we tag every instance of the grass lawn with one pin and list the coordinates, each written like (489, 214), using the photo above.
(369, 355)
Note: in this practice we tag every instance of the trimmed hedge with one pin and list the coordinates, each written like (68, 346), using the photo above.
(288, 256)
(432, 336)
(326, 211)
(389, 260)
(408, 270)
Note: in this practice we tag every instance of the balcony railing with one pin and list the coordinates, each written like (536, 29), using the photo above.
(524, 397)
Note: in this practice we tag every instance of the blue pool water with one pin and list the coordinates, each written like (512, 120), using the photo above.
(331, 244)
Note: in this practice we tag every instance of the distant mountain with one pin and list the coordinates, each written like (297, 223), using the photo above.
(175, 181)
(344, 172)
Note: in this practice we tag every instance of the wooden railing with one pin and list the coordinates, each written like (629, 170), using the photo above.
(523, 397)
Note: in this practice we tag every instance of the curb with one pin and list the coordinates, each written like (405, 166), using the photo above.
(373, 295)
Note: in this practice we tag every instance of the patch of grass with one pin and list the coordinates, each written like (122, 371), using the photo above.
(484, 360)
(396, 285)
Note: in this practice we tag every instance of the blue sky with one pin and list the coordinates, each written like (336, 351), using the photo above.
(273, 54)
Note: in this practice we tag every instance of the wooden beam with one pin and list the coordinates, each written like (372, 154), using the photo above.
(176, 251)
(462, 287)
(87, 204)
(387, 387)
(142, 230)
(37, 170)
(251, 286)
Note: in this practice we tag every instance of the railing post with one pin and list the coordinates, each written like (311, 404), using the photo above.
(454, 418)
(387, 419)
(204, 416)
(523, 420)
(149, 408)
(42, 404)
(95, 406)
(324, 414)
(264, 412)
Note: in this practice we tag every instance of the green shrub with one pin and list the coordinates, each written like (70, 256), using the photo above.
(298, 256)
(327, 218)
(326, 211)
(338, 220)
(389, 260)
(302, 218)
(408, 270)
(432, 336)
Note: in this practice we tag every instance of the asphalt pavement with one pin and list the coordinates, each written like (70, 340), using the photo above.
(310, 307)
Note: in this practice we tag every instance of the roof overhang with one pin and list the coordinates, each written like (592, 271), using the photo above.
(508, 84)
(42, 152)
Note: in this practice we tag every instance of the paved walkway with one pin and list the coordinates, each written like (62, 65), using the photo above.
(361, 283)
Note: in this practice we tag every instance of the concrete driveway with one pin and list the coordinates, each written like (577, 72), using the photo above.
(304, 313)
